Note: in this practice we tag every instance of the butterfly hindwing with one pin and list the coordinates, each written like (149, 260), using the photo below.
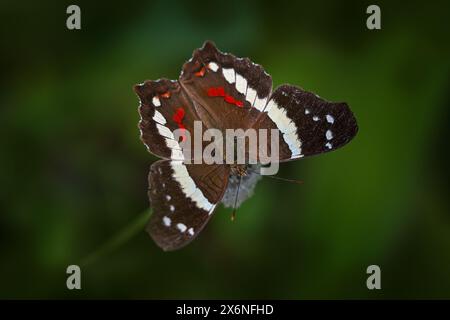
(308, 124)
(183, 198)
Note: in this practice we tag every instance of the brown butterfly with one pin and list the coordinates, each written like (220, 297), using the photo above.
(224, 92)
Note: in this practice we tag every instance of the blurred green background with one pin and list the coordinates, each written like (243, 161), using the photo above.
(74, 172)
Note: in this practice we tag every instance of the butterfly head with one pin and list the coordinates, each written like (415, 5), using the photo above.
(239, 170)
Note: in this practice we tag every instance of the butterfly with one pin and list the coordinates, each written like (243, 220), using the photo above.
(224, 92)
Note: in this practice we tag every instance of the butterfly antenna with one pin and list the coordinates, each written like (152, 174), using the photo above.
(285, 179)
(280, 178)
(233, 214)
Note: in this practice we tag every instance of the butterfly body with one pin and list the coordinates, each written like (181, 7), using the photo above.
(222, 92)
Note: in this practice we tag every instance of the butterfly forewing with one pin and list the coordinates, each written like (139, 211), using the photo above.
(165, 107)
(183, 197)
(228, 92)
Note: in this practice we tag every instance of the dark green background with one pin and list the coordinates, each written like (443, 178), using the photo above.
(74, 172)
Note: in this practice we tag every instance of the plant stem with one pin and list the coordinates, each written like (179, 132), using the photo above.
(119, 239)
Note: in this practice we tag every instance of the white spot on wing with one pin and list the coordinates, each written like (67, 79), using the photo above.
(188, 187)
(329, 135)
(182, 227)
(260, 104)
(328, 145)
(241, 83)
(316, 118)
(158, 117)
(168, 197)
(164, 131)
(201, 200)
(229, 75)
(285, 125)
(167, 222)
(156, 101)
(269, 106)
(250, 96)
(172, 144)
(191, 231)
(330, 118)
(180, 174)
(213, 66)
(176, 154)
(172, 208)
(294, 144)
(306, 111)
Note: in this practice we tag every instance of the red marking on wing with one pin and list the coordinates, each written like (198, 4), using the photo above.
(229, 99)
(216, 92)
(179, 115)
(220, 92)
(178, 118)
(166, 94)
(201, 72)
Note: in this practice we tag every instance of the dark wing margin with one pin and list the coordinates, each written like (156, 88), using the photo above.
(308, 124)
(183, 198)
